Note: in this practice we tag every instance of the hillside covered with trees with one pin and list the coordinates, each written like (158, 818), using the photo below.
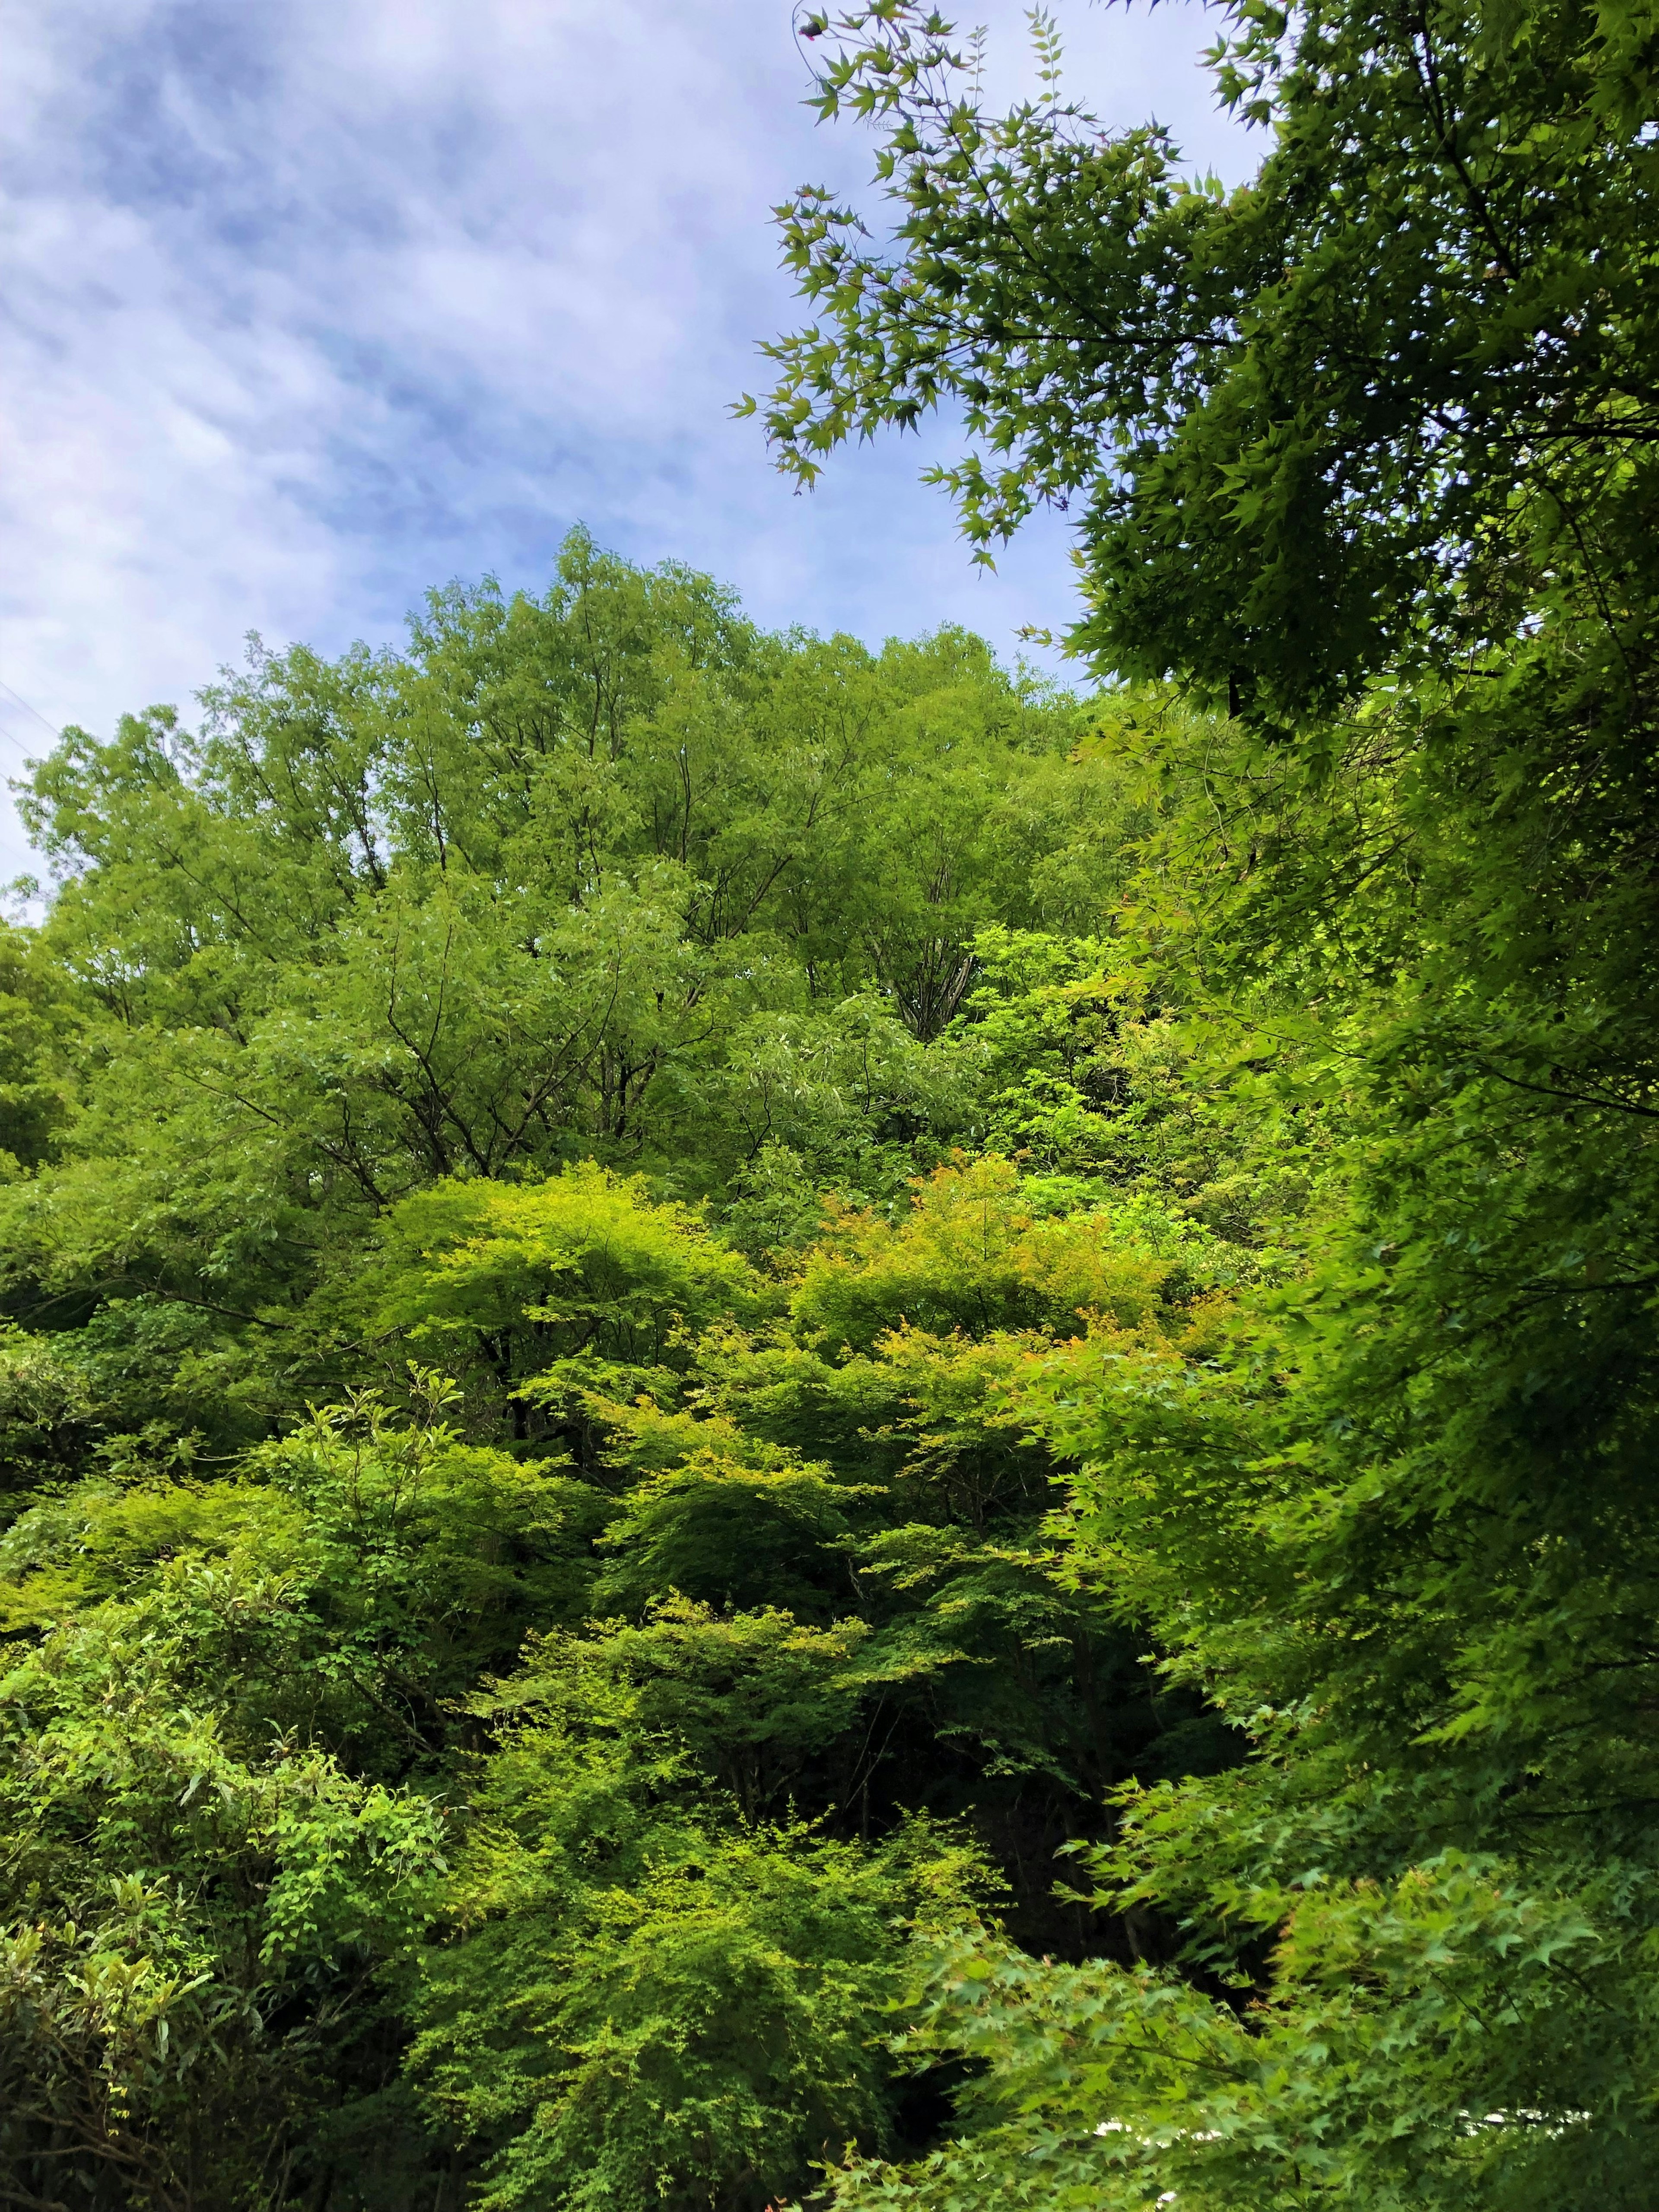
(777, 1418)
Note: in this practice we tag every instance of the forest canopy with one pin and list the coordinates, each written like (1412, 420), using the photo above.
(536, 1166)
(783, 1421)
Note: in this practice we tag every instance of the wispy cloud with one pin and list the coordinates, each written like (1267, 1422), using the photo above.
(314, 303)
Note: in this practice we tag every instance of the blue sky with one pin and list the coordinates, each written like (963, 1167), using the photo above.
(311, 304)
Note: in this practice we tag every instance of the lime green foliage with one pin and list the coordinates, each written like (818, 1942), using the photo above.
(1094, 2087)
(394, 1562)
(669, 1683)
(1095, 1086)
(817, 1593)
(720, 1515)
(969, 1255)
(512, 1345)
(47, 1414)
(657, 1993)
(579, 1283)
(1017, 1565)
(1010, 1693)
(535, 1628)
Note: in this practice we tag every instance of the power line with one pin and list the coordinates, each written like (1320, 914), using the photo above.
(16, 743)
(29, 708)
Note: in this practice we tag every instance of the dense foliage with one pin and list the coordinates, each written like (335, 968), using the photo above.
(523, 1568)
(776, 1418)
(1366, 453)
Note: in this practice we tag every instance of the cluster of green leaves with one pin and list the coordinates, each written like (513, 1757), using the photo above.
(1330, 419)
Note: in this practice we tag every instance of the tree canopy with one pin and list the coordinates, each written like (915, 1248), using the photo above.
(521, 1564)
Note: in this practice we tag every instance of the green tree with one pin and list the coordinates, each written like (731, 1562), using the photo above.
(647, 2003)
(191, 1912)
(1365, 451)
(606, 873)
(36, 1052)
(554, 1289)
(1361, 406)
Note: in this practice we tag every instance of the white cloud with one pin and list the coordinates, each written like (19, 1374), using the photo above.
(314, 303)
